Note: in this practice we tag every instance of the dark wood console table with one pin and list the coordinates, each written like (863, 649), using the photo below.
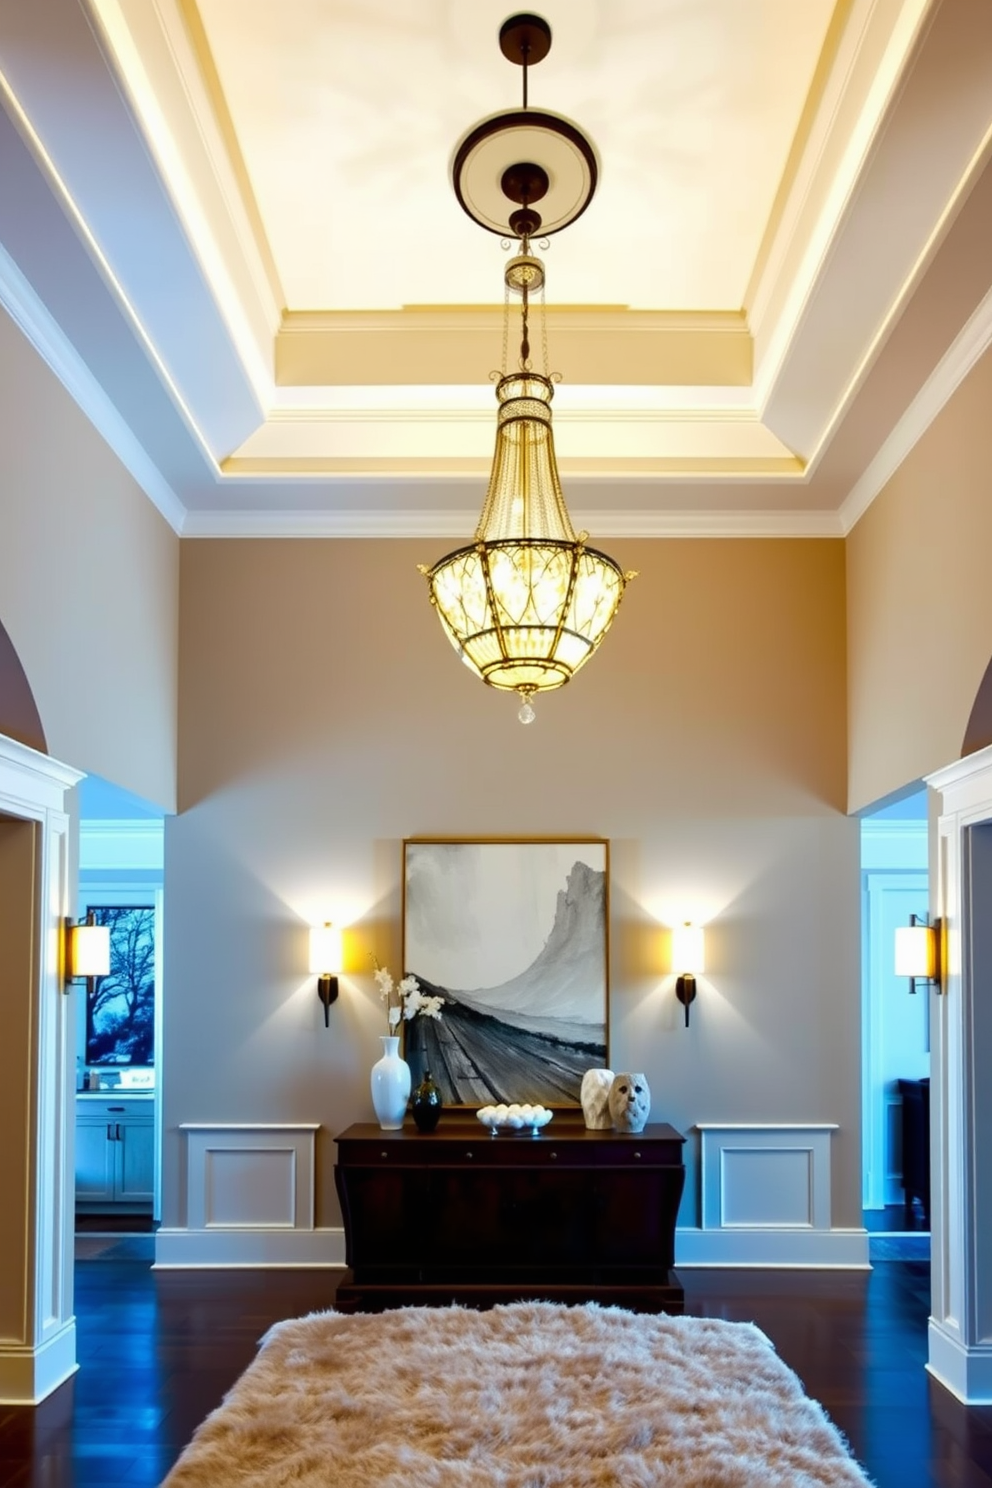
(456, 1215)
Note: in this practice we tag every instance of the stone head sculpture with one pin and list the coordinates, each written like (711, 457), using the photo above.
(630, 1102)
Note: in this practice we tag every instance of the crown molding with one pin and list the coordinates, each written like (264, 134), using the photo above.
(51, 344)
(965, 351)
(458, 526)
(126, 844)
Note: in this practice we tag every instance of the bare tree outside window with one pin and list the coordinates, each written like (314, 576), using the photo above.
(120, 1015)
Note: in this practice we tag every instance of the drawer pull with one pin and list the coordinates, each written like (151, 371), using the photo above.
(637, 1154)
(115, 1108)
(552, 1155)
(470, 1154)
(383, 1154)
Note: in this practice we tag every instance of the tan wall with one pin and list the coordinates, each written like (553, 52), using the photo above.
(323, 718)
(88, 584)
(920, 601)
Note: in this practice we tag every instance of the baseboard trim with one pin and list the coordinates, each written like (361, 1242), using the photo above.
(966, 1372)
(29, 1375)
(771, 1247)
(229, 1249)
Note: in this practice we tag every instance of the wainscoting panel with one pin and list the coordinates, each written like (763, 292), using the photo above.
(770, 1186)
(765, 1200)
(249, 1199)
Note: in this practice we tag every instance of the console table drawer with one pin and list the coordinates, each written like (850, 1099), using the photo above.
(381, 1154)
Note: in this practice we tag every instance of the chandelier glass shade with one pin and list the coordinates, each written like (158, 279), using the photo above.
(527, 602)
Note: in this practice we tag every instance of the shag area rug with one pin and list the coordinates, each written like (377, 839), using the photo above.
(530, 1395)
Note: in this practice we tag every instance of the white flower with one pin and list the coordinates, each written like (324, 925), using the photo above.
(404, 1001)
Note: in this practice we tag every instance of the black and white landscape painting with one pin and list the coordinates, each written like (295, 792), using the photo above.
(513, 936)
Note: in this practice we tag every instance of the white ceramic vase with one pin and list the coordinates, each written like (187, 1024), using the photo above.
(390, 1084)
(595, 1098)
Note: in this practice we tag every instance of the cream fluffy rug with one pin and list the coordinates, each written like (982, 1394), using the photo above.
(531, 1395)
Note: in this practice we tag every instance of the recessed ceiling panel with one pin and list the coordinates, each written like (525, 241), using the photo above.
(347, 114)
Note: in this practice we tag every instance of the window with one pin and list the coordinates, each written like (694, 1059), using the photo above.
(120, 1015)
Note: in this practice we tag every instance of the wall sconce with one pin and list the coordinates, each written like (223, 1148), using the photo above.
(688, 961)
(325, 963)
(87, 952)
(918, 952)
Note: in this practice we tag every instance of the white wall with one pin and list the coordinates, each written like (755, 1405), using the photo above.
(88, 584)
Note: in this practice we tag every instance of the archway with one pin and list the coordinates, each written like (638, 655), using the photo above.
(19, 716)
(978, 734)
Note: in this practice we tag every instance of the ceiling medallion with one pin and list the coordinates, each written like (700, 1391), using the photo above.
(527, 603)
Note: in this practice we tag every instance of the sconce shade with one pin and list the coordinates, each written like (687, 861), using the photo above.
(89, 950)
(688, 949)
(325, 964)
(916, 952)
(325, 950)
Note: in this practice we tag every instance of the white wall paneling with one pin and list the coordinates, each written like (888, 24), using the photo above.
(249, 1199)
(960, 1333)
(765, 1200)
(37, 1326)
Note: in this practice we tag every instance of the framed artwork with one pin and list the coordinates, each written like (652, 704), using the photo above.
(514, 935)
(120, 1015)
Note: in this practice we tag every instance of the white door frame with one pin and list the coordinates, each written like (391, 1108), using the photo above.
(39, 1353)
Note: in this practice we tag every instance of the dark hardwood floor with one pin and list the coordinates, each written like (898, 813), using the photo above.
(158, 1350)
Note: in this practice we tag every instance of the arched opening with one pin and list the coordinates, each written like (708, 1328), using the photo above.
(979, 731)
(19, 716)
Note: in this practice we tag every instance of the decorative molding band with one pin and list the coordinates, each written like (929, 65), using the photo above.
(28, 776)
(835, 1249)
(118, 845)
(51, 344)
(176, 1249)
(27, 1375)
(965, 1371)
(459, 525)
(898, 846)
(965, 350)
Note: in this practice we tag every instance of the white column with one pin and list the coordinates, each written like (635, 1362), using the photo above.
(960, 1333)
(37, 1326)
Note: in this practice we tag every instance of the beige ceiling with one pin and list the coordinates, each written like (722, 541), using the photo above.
(229, 227)
(346, 116)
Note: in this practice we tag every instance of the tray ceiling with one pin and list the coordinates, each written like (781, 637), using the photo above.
(229, 227)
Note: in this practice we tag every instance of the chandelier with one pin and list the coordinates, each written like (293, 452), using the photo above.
(528, 601)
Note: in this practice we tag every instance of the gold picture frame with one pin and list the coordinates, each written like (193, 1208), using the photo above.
(513, 934)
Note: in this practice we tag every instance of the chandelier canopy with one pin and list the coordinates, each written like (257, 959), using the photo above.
(527, 602)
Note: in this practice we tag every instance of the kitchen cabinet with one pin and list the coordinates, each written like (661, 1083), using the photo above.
(115, 1152)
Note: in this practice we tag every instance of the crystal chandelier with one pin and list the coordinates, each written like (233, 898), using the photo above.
(527, 602)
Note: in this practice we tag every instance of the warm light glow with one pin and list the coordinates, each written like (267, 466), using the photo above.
(325, 950)
(688, 950)
(527, 604)
(916, 951)
(89, 950)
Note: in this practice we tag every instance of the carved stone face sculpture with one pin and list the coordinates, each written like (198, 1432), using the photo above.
(630, 1102)
(595, 1098)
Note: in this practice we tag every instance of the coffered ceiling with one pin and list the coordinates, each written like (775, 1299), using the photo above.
(229, 227)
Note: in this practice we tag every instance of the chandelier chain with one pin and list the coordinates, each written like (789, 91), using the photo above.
(506, 322)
